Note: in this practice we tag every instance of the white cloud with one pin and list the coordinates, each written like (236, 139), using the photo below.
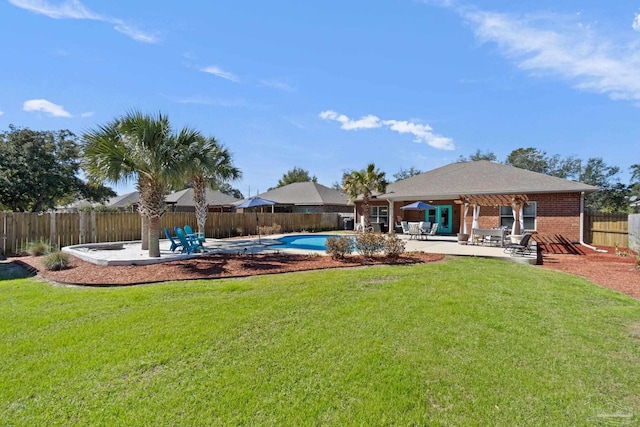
(366, 122)
(87, 114)
(636, 22)
(560, 46)
(74, 9)
(278, 85)
(219, 72)
(1, 113)
(422, 133)
(46, 107)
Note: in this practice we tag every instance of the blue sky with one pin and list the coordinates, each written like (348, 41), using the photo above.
(331, 86)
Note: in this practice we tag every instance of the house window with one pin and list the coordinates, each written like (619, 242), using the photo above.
(506, 216)
(380, 214)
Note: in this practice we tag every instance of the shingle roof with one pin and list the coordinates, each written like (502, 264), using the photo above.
(214, 198)
(479, 177)
(306, 194)
(124, 200)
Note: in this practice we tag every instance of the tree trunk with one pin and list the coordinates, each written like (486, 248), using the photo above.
(200, 202)
(154, 236)
(145, 232)
(366, 211)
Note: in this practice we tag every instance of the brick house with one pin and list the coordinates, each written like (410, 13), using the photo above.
(182, 201)
(548, 206)
(307, 197)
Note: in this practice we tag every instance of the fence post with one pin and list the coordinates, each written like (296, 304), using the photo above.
(634, 232)
(4, 233)
(94, 229)
(52, 228)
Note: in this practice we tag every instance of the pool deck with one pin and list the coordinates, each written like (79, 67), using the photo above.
(130, 253)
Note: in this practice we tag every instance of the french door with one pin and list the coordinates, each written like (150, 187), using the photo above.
(442, 215)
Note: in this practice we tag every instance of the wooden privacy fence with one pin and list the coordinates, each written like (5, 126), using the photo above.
(606, 229)
(64, 229)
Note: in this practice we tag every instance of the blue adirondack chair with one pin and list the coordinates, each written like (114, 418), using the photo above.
(197, 238)
(187, 245)
(174, 244)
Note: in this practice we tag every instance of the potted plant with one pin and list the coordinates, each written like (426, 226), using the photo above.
(463, 238)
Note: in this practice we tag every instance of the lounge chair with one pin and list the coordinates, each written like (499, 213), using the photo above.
(197, 238)
(521, 248)
(188, 246)
(175, 244)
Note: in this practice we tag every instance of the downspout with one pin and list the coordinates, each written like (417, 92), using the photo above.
(582, 242)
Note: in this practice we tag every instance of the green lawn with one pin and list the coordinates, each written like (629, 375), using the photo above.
(462, 342)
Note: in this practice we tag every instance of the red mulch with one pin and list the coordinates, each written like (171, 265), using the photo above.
(605, 269)
(209, 267)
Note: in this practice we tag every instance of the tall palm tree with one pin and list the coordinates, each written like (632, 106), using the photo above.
(364, 182)
(142, 147)
(209, 164)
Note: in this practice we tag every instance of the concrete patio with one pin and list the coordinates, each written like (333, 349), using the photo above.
(130, 253)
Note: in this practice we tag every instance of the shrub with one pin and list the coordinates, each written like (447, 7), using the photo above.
(38, 247)
(369, 243)
(56, 261)
(270, 229)
(339, 247)
(393, 246)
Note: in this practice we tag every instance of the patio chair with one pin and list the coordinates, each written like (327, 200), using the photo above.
(175, 244)
(405, 227)
(414, 230)
(425, 229)
(197, 238)
(188, 246)
(521, 248)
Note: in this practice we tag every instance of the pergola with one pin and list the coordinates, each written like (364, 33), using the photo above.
(516, 201)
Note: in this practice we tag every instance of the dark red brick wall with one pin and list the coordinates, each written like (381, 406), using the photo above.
(557, 214)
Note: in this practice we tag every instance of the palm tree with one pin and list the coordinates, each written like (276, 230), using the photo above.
(141, 147)
(209, 164)
(364, 182)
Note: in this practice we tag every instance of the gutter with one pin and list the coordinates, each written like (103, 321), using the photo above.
(582, 242)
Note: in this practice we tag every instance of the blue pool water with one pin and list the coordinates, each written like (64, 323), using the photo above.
(316, 242)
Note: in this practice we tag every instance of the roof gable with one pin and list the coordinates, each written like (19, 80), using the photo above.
(213, 197)
(307, 194)
(480, 177)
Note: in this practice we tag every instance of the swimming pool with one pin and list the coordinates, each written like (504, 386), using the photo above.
(315, 242)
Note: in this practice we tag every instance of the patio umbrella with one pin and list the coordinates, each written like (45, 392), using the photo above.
(255, 202)
(418, 206)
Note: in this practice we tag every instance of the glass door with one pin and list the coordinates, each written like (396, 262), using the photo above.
(441, 215)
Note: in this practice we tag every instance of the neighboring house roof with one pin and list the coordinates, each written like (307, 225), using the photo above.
(214, 198)
(124, 200)
(306, 194)
(477, 178)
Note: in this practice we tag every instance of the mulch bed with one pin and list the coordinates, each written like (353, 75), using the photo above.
(209, 267)
(609, 270)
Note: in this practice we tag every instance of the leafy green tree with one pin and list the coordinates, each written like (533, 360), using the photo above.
(613, 195)
(144, 148)
(538, 161)
(296, 175)
(406, 173)
(479, 155)
(226, 188)
(40, 168)
(364, 183)
(209, 163)
(528, 158)
(634, 185)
